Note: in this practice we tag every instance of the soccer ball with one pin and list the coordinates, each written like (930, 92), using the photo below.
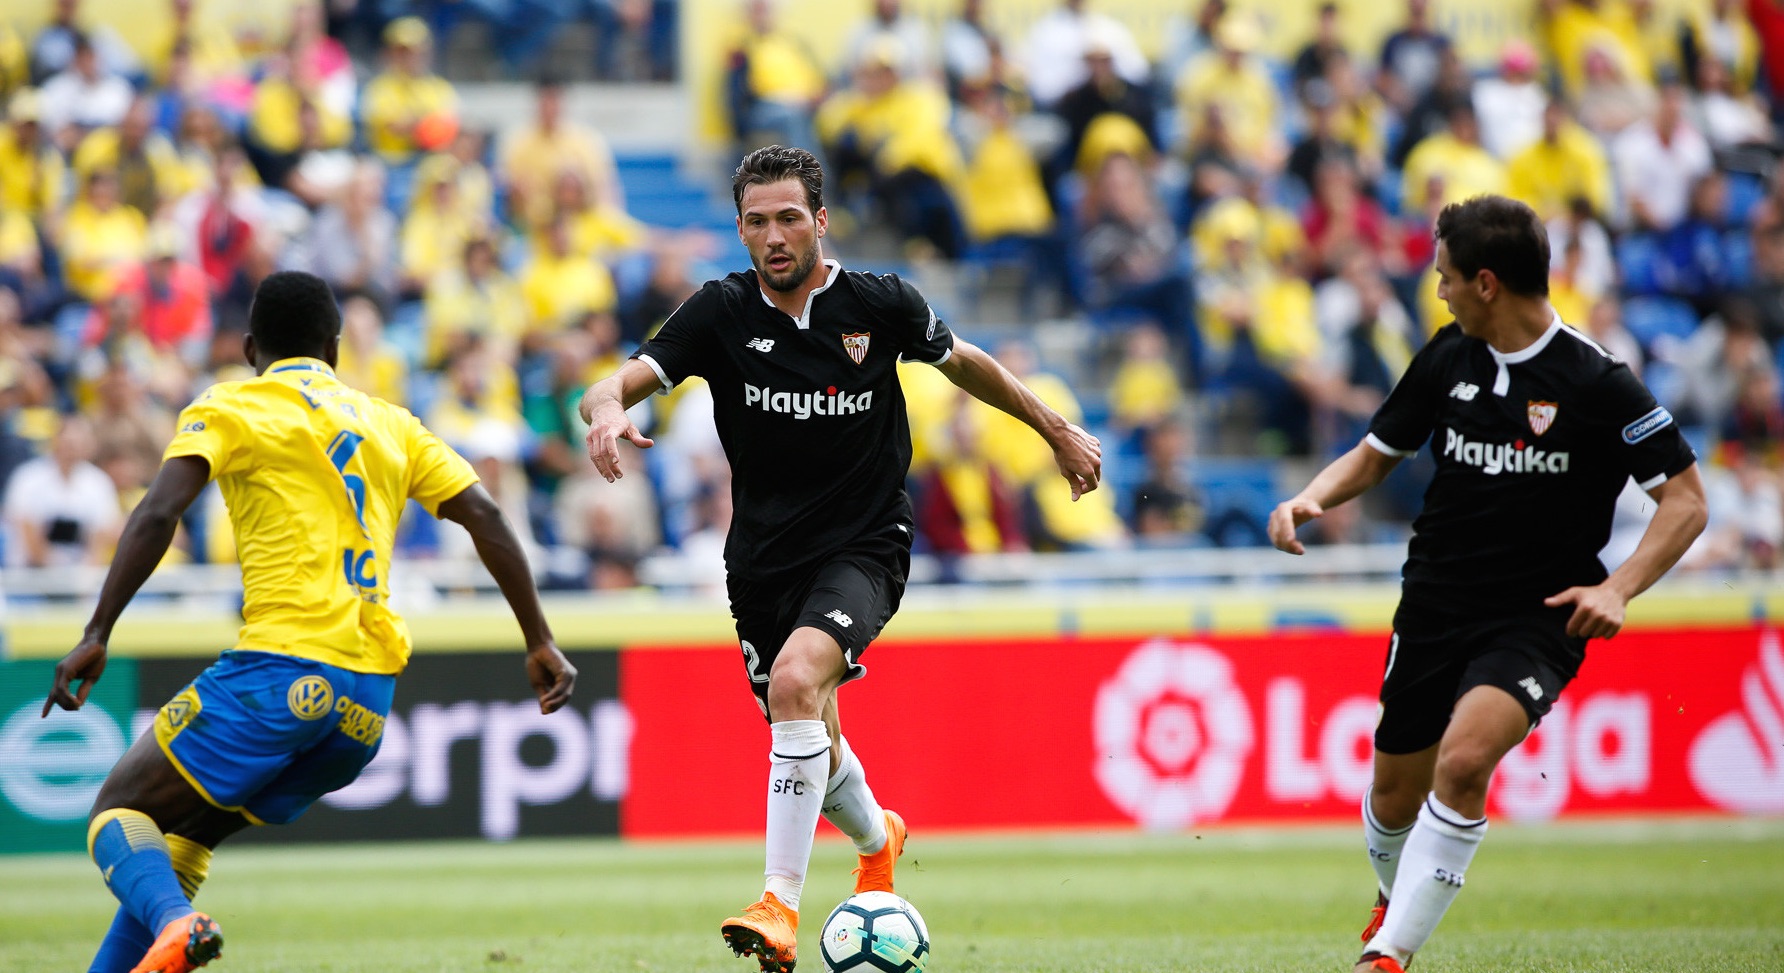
(875, 932)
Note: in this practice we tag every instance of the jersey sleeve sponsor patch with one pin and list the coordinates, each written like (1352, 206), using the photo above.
(1647, 425)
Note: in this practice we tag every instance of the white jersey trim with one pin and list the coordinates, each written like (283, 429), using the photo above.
(1502, 380)
(803, 321)
(1649, 484)
(662, 376)
(947, 353)
(1375, 442)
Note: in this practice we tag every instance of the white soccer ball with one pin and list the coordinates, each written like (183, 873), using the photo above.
(875, 932)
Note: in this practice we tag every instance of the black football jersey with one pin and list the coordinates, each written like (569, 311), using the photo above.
(1532, 450)
(809, 409)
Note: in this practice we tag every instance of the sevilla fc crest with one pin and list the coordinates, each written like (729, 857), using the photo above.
(856, 346)
(1542, 416)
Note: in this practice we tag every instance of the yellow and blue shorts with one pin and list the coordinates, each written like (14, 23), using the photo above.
(267, 734)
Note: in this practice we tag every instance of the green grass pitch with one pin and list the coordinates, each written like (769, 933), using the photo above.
(1703, 895)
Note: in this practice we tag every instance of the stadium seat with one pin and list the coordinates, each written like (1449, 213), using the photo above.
(1737, 255)
(1239, 493)
(1643, 264)
(1658, 320)
(1745, 190)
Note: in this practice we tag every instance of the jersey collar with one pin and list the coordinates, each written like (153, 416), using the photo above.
(1502, 380)
(804, 319)
(301, 365)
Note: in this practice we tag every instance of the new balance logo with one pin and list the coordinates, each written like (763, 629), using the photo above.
(836, 615)
(761, 344)
(1464, 391)
(1531, 687)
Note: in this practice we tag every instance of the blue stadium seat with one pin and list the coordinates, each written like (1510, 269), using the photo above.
(1641, 259)
(1654, 320)
(1737, 255)
(1239, 493)
(1745, 190)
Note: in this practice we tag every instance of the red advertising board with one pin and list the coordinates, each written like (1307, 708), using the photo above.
(1173, 732)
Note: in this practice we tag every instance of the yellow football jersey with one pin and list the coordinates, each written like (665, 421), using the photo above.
(315, 475)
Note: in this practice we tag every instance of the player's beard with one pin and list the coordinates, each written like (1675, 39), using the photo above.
(803, 264)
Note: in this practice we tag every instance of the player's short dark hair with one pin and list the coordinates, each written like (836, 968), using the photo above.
(293, 315)
(1498, 234)
(775, 163)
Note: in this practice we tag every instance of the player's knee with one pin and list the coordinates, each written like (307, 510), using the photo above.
(1396, 806)
(795, 691)
(1465, 769)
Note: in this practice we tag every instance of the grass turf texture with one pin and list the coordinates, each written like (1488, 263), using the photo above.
(1701, 895)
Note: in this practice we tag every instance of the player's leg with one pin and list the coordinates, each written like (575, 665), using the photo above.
(1390, 807)
(849, 805)
(1487, 723)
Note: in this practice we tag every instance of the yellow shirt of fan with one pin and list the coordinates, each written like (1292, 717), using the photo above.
(315, 475)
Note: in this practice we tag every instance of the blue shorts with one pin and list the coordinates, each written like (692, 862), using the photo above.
(267, 734)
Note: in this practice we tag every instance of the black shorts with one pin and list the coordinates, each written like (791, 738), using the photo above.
(849, 595)
(1433, 659)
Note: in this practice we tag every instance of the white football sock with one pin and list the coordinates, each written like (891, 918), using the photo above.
(849, 803)
(1384, 845)
(797, 763)
(1434, 862)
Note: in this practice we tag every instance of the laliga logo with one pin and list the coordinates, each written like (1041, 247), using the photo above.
(1172, 735)
(1738, 761)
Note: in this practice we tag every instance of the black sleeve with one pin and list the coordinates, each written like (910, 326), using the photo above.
(1643, 436)
(683, 345)
(919, 335)
(1404, 421)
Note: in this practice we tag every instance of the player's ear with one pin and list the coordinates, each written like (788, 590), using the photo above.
(822, 219)
(248, 349)
(331, 350)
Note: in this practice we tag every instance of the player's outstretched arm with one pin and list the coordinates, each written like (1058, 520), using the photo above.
(1680, 514)
(141, 547)
(604, 408)
(552, 675)
(1078, 454)
(1348, 476)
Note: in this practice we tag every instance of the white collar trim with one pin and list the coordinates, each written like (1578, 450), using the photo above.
(1502, 380)
(804, 319)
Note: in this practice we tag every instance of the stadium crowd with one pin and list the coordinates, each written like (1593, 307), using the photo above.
(1247, 237)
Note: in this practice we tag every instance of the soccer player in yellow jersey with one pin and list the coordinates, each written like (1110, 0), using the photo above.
(315, 475)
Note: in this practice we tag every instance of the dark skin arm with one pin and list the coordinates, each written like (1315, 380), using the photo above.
(552, 675)
(144, 543)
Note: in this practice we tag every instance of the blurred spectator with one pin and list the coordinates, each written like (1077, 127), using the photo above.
(1321, 143)
(31, 170)
(225, 221)
(314, 169)
(1411, 58)
(285, 104)
(1611, 99)
(205, 43)
(318, 62)
(148, 169)
(1024, 462)
(1216, 165)
(533, 157)
(82, 97)
(603, 231)
(1510, 104)
(1429, 115)
(1595, 273)
(475, 302)
(1314, 57)
(1454, 161)
(367, 361)
(172, 298)
(891, 136)
(1573, 29)
(1564, 163)
(15, 61)
(1368, 342)
(1168, 510)
(1729, 120)
(1340, 221)
(1130, 249)
(1145, 390)
(963, 504)
(57, 42)
(1720, 31)
(1713, 362)
(407, 109)
(889, 21)
(703, 548)
(774, 83)
(559, 284)
(61, 509)
(1003, 199)
(128, 422)
(967, 42)
(1698, 265)
(1662, 35)
(352, 242)
(1746, 511)
(493, 448)
(1657, 162)
(1756, 422)
(15, 449)
(1104, 92)
(1053, 54)
(1236, 81)
(101, 238)
(1187, 39)
(438, 224)
(614, 524)
(1605, 326)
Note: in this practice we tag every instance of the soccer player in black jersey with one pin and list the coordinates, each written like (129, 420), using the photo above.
(802, 359)
(1536, 430)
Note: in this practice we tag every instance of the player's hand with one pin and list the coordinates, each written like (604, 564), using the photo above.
(1597, 611)
(552, 676)
(1289, 515)
(84, 665)
(607, 426)
(1080, 459)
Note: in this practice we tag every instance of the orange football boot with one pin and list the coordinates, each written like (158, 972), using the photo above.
(1376, 916)
(768, 931)
(874, 874)
(1377, 963)
(184, 945)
